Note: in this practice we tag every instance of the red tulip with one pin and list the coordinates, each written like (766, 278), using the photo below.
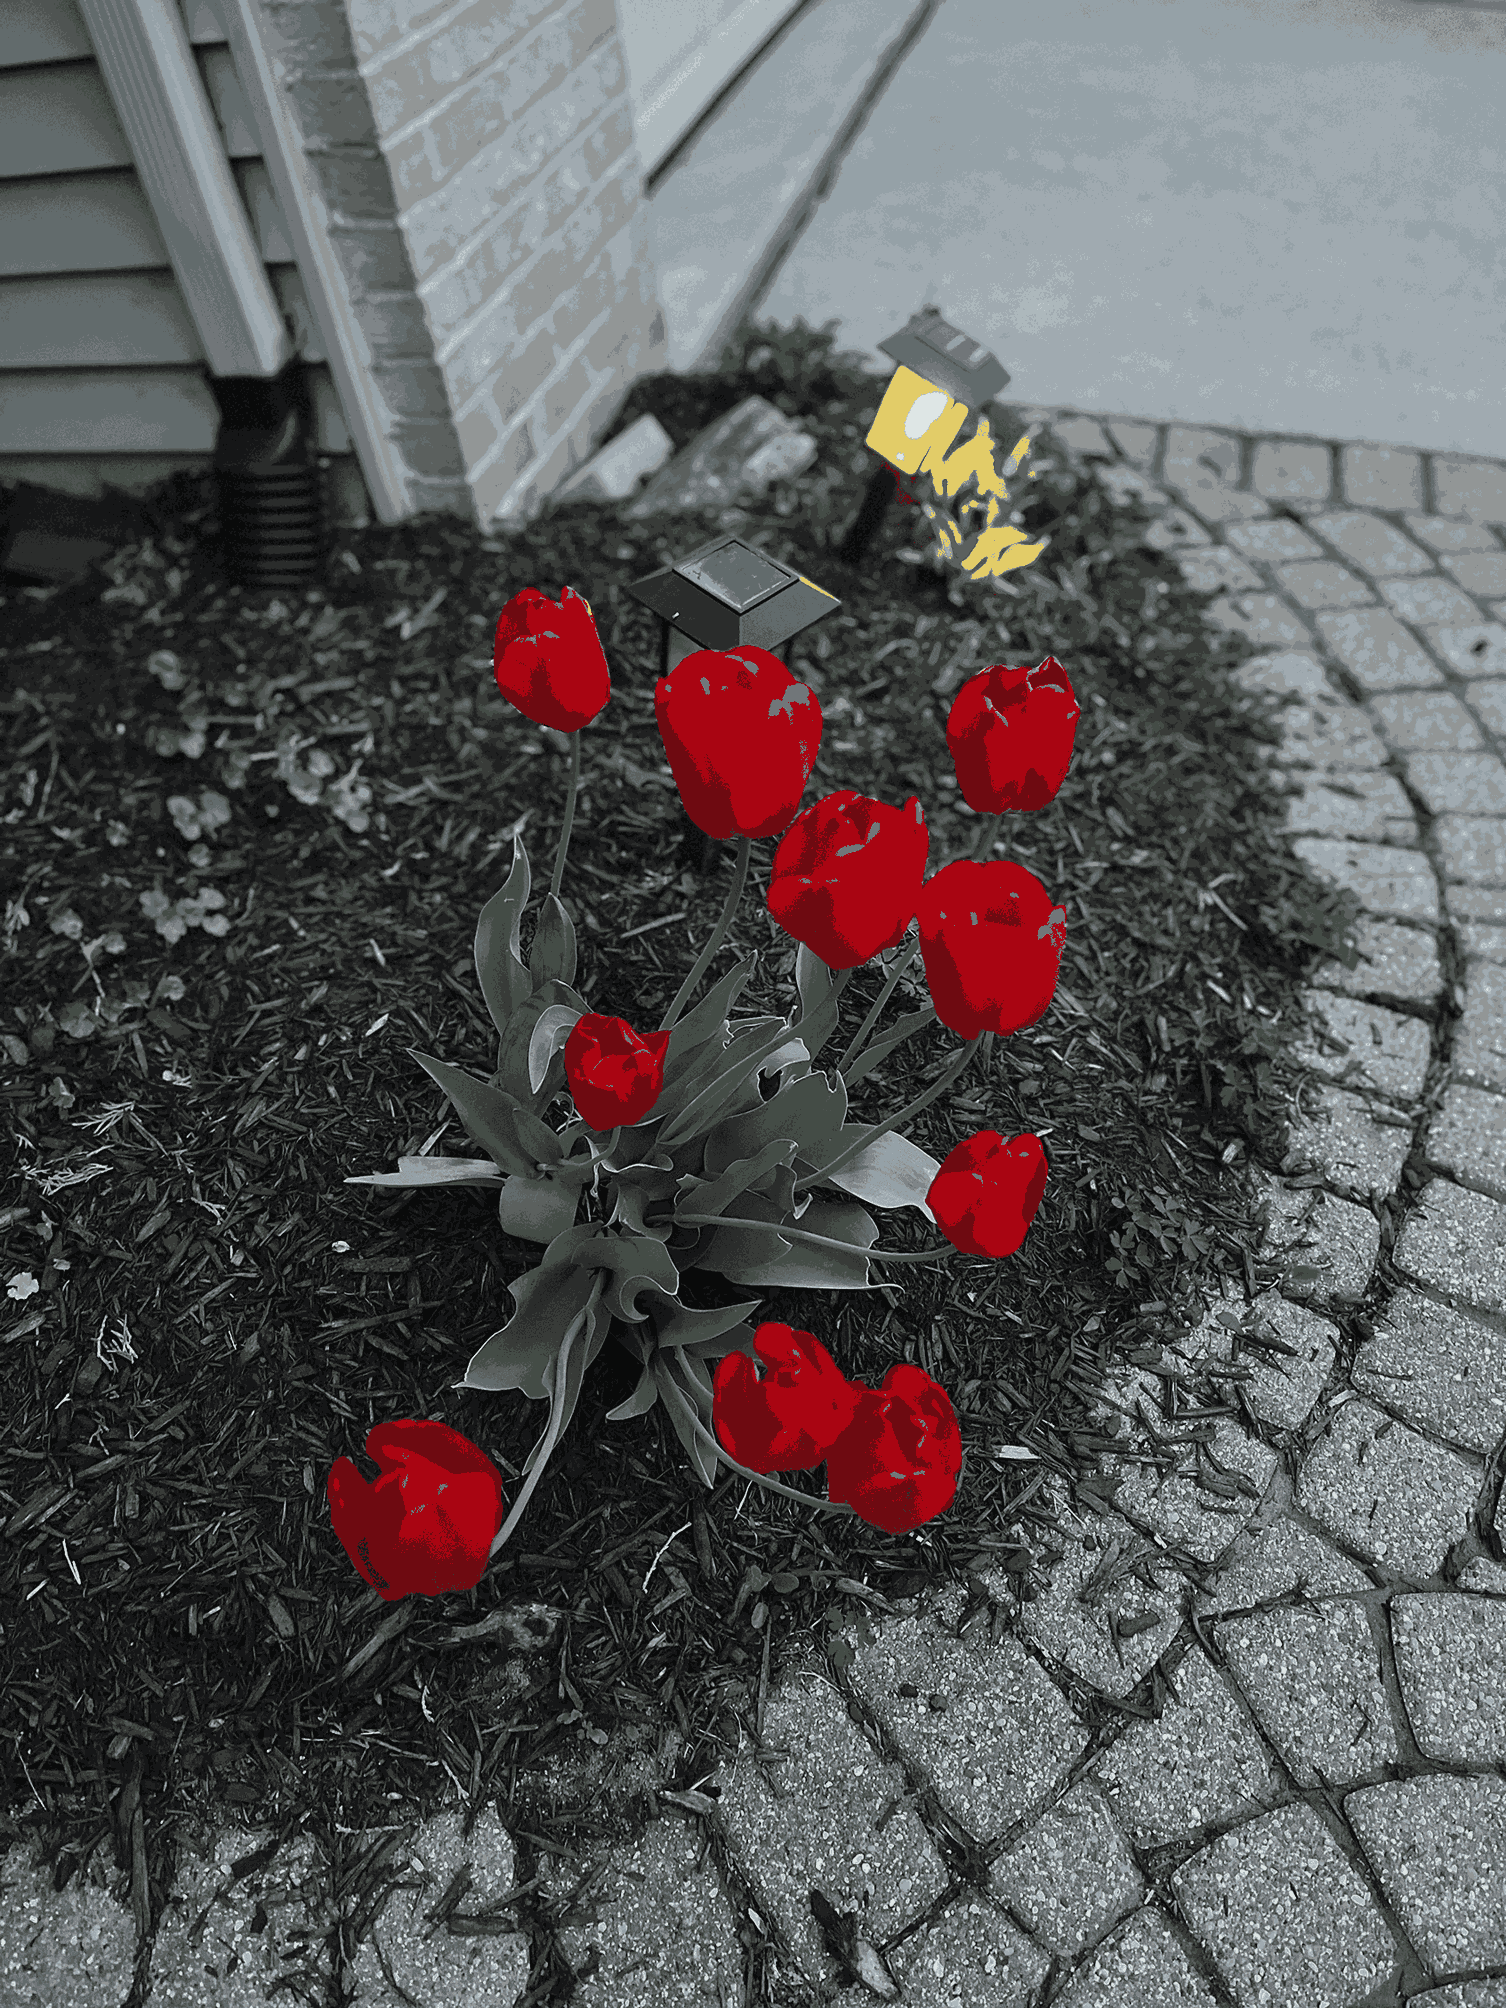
(991, 941)
(897, 1462)
(614, 1075)
(847, 876)
(1010, 733)
(741, 736)
(788, 1420)
(426, 1525)
(549, 659)
(986, 1193)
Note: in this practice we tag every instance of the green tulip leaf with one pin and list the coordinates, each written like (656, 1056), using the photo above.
(551, 958)
(807, 1110)
(709, 1016)
(537, 1209)
(512, 1054)
(640, 1401)
(891, 1171)
(714, 1101)
(634, 1261)
(716, 1195)
(701, 1329)
(505, 983)
(551, 1031)
(754, 1257)
(721, 1060)
(422, 1171)
(701, 1454)
(813, 980)
(516, 1355)
(562, 1399)
(487, 1112)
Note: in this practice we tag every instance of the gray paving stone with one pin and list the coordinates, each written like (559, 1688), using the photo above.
(972, 1957)
(1323, 582)
(1389, 881)
(1317, 723)
(1200, 1765)
(1282, 1395)
(1466, 486)
(656, 1931)
(1173, 1504)
(1394, 961)
(1438, 1848)
(1451, 1663)
(1216, 569)
(1424, 601)
(1275, 539)
(1473, 647)
(1424, 721)
(1309, 1230)
(68, 1948)
(1472, 849)
(1070, 1876)
(1372, 544)
(1348, 1139)
(1286, 1915)
(1467, 1140)
(1264, 619)
(1469, 784)
(1377, 650)
(1084, 437)
(1126, 483)
(1482, 573)
(1286, 468)
(1141, 1962)
(1074, 1629)
(1205, 453)
(1268, 1562)
(1003, 1737)
(1488, 701)
(1175, 531)
(1382, 477)
(1287, 673)
(1454, 1241)
(1371, 805)
(1135, 441)
(1448, 533)
(1479, 1053)
(1487, 904)
(1365, 1046)
(438, 1966)
(1312, 1679)
(234, 1942)
(1443, 1370)
(819, 1826)
(1390, 1494)
(1467, 1994)
(1484, 1576)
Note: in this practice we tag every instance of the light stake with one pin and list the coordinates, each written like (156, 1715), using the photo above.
(727, 594)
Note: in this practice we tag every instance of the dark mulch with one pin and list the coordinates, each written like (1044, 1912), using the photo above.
(219, 1317)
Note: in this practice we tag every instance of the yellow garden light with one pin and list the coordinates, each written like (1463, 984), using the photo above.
(942, 375)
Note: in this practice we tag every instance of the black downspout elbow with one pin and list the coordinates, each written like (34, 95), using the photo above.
(270, 490)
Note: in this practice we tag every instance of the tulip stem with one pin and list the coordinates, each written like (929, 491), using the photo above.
(569, 823)
(896, 970)
(668, 1384)
(718, 934)
(817, 1240)
(938, 1087)
(983, 849)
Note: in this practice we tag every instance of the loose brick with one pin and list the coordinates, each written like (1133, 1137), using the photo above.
(355, 184)
(333, 110)
(373, 259)
(310, 34)
(1138, 443)
(1274, 539)
(1381, 477)
(395, 325)
(413, 390)
(430, 448)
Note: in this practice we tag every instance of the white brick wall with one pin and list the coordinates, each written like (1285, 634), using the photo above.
(486, 206)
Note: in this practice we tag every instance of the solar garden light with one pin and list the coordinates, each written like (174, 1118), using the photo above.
(943, 375)
(726, 595)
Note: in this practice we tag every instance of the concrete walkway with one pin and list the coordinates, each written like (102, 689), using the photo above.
(1242, 1740)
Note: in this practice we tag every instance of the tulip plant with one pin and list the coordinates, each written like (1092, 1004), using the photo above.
(707, 1136)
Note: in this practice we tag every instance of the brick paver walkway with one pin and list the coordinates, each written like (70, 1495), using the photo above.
(1302, 1799)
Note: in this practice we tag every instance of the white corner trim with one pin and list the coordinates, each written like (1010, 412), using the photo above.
(154, 84)
(307, 220)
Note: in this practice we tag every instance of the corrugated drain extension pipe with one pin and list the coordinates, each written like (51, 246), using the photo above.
(270, 486)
